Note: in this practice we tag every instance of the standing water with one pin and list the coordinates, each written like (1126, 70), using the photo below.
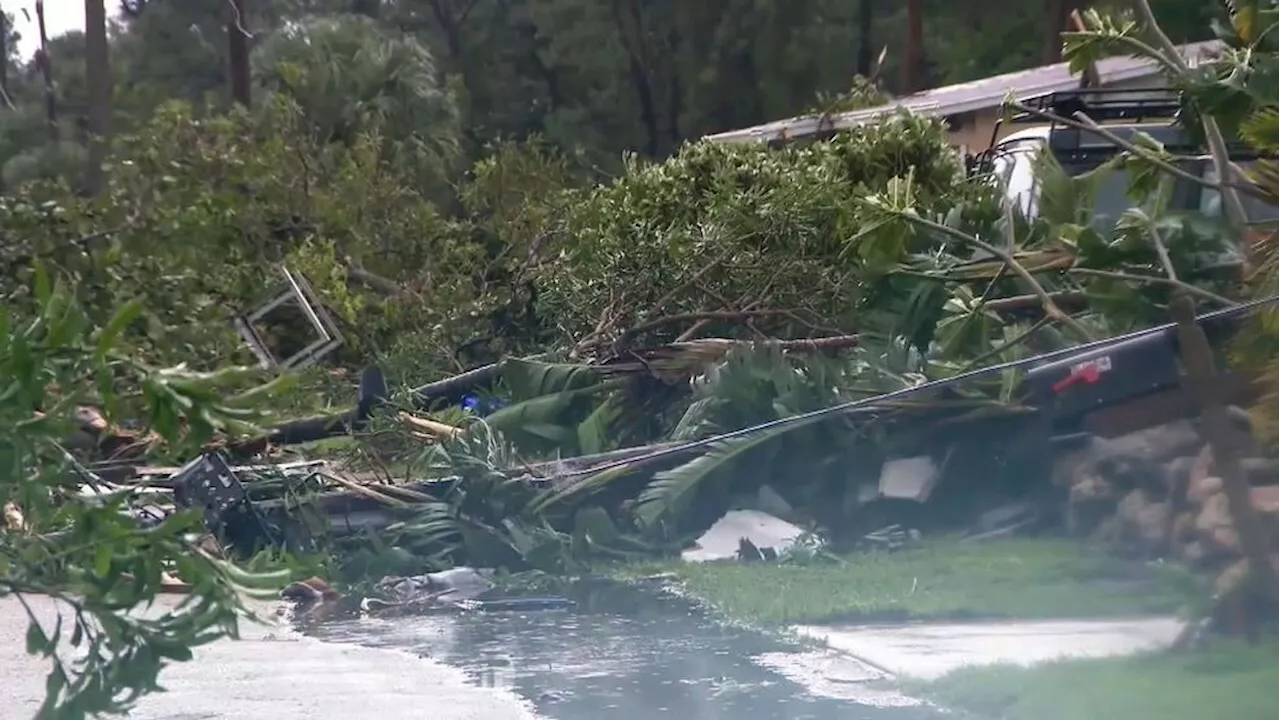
(625, 653)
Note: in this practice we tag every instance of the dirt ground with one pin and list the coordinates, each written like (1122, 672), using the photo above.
(272, 673)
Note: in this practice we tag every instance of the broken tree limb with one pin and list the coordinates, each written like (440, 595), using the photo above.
(452, 390)
(1071, 300)
(722, 316)
(356, 273)
(435, 430)
(341, 506)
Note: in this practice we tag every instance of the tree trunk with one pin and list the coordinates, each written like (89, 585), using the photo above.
(238, 51)
(46, 69)
(452, 33)
(4, 60)
(98, 78)
(866, 18)
(639, 77)
(913, 62)
(1055, 21)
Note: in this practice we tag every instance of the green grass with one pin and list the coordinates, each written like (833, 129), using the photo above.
(940, 580)
(1226, 681)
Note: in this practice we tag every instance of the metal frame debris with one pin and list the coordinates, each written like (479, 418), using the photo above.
(298, 290)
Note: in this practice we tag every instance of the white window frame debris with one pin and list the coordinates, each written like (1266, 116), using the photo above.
(296, 289)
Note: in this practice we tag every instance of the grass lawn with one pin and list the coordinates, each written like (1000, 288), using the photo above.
(941, 580)
(1225, 681)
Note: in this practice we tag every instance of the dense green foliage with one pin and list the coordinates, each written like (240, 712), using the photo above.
(739, 223)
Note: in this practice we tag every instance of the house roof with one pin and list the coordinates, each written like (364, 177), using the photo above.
(965, 97)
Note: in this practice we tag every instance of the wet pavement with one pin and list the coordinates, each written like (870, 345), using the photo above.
(270, 674)
(628, 654)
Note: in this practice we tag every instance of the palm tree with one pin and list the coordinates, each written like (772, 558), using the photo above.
(348, 75)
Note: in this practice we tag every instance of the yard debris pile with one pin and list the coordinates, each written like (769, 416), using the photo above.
(565, 469)
(820, 439)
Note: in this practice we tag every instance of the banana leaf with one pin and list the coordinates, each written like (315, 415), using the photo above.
(672, 491)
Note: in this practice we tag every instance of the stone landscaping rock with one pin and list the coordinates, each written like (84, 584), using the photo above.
(1158, 493)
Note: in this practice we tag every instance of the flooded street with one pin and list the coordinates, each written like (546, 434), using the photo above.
(634, 655)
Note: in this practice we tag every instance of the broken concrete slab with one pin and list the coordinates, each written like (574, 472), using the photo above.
(910, 478)
(929, 651)
(720, 542)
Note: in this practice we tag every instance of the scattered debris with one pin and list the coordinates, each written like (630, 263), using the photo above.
(311, 590)
(724, 540)
(295, 294)
(893, 537)
(14, 522)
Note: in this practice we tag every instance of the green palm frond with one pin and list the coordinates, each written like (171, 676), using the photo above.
(672, 491)
(1260, 129)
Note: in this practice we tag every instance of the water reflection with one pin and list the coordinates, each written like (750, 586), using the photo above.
(627, 654)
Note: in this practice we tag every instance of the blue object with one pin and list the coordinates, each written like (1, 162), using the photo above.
(481, 406)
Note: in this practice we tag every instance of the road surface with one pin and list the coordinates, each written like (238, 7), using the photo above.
(272, 673)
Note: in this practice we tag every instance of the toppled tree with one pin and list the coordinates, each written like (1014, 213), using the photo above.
(744, 240)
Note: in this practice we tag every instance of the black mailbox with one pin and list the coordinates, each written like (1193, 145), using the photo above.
(1084, 382)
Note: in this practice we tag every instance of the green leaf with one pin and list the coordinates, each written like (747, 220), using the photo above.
(593, 432)
(530, 378)
(102, 560)
(43, 286)
(118, 323)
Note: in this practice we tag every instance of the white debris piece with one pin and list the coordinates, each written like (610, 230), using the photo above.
(720, 542)
(910, 478)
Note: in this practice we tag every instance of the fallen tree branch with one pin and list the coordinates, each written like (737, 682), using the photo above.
(1083, 122)
(433, 429)
(1158, 280)
(1014, 303)
(724, 316)
(383, 286)
(452, 390)
(1051, 308)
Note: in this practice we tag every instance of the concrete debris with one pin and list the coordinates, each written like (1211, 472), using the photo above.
(722, 540)
(909, 478)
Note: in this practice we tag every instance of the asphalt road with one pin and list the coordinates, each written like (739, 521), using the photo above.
(272, 673)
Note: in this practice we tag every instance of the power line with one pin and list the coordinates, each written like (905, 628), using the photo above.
(865, 403)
